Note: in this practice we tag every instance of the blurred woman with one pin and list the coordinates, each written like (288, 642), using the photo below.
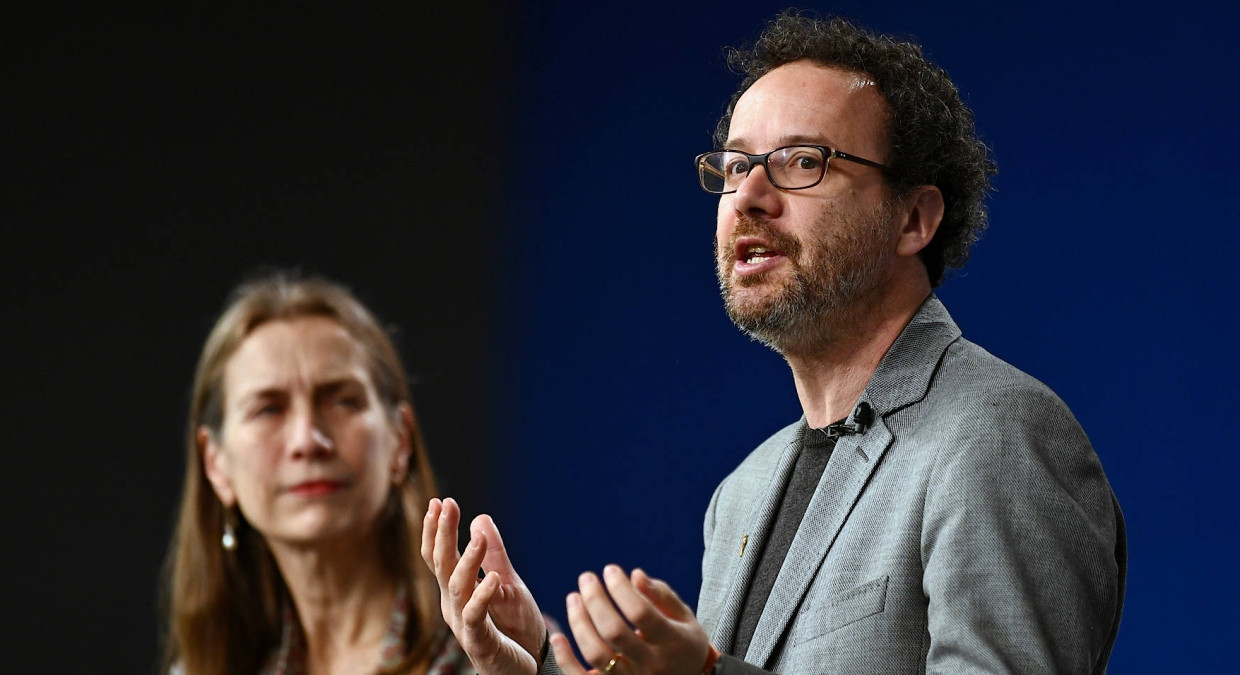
(297, 545)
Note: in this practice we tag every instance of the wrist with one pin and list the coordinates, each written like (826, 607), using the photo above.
(542, 652)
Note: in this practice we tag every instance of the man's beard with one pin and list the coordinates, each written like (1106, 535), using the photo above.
(828, 289)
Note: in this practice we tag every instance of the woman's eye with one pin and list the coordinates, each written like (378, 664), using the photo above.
(350, 402)
(267, 410)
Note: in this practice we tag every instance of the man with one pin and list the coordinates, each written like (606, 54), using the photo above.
(934, 509)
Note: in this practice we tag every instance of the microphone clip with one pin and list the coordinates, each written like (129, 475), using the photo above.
(860, 420)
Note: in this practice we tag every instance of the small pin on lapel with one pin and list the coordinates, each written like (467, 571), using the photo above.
(744, 540)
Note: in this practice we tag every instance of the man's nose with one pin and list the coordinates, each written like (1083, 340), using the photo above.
(756, 195)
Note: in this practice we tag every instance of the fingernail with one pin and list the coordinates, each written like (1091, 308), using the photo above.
(585, 578)
(611, 570)
(573, 600)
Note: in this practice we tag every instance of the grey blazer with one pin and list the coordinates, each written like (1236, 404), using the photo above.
(969, 529)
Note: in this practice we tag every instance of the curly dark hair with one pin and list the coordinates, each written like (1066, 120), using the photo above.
(930, 130)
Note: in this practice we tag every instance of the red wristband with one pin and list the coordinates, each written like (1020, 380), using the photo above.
(712, 657)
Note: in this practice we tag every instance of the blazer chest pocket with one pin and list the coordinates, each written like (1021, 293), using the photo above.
(843, 608)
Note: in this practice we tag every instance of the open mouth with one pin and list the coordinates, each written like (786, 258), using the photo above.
(757, 254)
(752, 255)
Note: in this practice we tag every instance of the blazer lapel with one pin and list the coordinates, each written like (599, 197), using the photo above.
(742, 566)
(851, 464)
(901, 379)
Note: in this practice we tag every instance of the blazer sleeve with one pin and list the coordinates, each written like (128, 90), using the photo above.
(1021, 541)
(708, 523)
(549, 665)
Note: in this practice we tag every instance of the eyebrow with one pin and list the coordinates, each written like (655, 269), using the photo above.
(258, 394)
(332, 387)
(794, 139)
(321, 390)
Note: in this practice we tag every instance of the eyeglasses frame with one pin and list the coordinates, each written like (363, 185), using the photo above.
(828, 153)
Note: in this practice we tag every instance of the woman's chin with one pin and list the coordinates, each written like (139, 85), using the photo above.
(322, 534)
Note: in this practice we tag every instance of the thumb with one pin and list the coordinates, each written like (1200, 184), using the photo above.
(661, 595)
(496, 558)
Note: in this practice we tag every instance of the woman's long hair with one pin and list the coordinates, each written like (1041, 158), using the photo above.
(224, 608)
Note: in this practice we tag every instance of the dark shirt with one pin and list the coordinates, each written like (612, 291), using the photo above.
(812, 456)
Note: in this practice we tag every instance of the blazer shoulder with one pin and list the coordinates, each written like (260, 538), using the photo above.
(971, 375)
(751, 477)
(983, 417)
(763, 459)
(982, 412)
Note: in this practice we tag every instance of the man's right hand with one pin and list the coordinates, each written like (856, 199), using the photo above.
(495, 619)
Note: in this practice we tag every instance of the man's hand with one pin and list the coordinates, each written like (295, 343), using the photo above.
(495, 619)
(665, 637)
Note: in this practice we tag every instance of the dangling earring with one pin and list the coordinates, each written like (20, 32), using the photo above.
(229, 540)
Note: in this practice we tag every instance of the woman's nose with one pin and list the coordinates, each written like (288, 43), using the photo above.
(307, 437)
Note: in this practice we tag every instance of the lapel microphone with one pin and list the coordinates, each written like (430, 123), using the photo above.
(861, 418)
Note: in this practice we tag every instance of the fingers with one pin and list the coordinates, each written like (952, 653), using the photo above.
(464, 579)
(430, 525)
(495, 627)
(660, 595)
(445, 555)
(593, 647)
(565, 657)
(637, 608)
(685, 643)
(665, 636)
(600, 629)
(457, 575)
(513, 610)
(474, 613)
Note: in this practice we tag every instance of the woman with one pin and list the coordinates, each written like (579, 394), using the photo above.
(296, 548)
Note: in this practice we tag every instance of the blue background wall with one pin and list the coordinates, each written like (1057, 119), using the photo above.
(625, 395)
(512, 187)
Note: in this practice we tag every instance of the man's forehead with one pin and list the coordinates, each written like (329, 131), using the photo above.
(804, 101)
(740, 142)
(797, 79)
(861, 80)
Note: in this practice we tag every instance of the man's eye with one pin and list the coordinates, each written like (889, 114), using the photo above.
(806, 163)
(736, 167)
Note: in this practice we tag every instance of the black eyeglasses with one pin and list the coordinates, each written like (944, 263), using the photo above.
(792, 167)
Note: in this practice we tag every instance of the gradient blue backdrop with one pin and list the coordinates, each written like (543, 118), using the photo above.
(623, 395)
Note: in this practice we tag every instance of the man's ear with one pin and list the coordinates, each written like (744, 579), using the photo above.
(925, 212)
(215, 466)
(405, 431)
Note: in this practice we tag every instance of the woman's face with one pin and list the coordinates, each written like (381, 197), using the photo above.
(306, 449)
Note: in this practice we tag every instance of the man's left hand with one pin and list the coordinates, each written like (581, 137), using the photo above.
(634, 623)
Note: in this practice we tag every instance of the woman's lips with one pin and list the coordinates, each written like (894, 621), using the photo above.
(317, 488)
